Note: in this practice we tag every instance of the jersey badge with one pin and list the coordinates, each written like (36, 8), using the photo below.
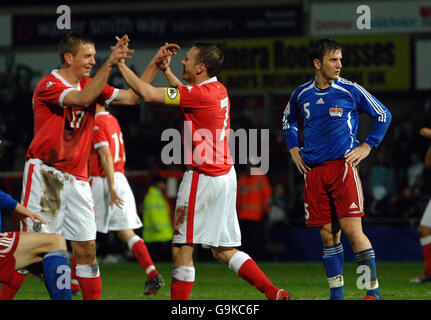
(336, 112)
(37, 226)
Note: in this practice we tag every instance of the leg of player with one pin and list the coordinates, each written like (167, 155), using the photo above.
(364, 253)
(424, 232)
(333, 259)
(87, 269)
(183, 272)
(246, 268)
(74, 281)
(425, 241)
(139, 248)
(51, 248)
(9, 290)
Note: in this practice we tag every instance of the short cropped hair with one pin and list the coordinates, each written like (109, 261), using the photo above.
(320, 47)
(211, 56)
(71, 43)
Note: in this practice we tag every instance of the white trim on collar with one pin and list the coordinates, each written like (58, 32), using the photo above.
(65, 82)
(213, 79)
(100, 113)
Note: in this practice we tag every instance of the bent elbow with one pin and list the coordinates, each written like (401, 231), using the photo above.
(147, 98)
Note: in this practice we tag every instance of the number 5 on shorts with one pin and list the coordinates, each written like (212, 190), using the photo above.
(307, 213)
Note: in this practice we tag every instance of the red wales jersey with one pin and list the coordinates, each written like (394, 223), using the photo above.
(107, 132)
(63, 134)
(205, 110)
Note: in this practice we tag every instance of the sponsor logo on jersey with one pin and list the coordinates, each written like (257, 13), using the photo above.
(320, 101)
(336, 112)
(189, 88)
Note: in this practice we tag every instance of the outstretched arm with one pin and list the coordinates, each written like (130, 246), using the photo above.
(145, 90)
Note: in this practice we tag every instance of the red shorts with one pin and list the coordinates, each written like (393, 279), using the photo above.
(332, 189)
(8, 243)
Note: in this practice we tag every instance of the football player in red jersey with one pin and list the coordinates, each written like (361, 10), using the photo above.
(55, 182)
(114, 201)
(206, 204)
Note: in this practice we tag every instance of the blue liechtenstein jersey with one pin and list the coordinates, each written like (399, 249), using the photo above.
(6, 201)
(331, 119)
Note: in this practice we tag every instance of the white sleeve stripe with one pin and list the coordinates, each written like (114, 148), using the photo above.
(113, 96)
(62, 95)
(305, 89)
(374, 103)
(101, 144)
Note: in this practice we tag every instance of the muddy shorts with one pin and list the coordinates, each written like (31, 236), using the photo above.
(64, 201)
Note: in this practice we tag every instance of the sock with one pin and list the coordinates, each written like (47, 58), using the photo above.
(183, 279)
(139, 249)
(248, 270)
(74, 280)
(426, 250)
(333, 260)
(56, 275)
(88, 276)
(9, 290)
(367, 258)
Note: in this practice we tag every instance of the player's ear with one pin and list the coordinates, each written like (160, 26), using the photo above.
(68, 58)
(201, 68)
(317, 64)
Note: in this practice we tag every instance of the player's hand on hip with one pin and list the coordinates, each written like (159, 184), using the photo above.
(116, 199)
(297, 160)
(355, 156)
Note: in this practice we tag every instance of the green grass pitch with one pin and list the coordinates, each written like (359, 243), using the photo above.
(214, 281)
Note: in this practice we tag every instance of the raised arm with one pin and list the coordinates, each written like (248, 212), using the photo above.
(145, 90)
(160, 61)
(129, 97)
(164, 66)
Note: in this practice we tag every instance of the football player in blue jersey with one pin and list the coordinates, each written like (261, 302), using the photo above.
(19, 250)
(22, 249)
(329, 159)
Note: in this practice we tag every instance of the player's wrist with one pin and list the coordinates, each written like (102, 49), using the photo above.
(366, 145)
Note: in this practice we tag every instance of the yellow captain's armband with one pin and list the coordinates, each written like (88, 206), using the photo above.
(172, 96)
